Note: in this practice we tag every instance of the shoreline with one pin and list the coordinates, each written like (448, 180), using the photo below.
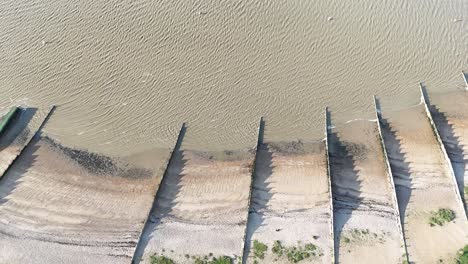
(98, 205)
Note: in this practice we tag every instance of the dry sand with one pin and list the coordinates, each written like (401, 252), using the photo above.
(201, 207)
(365, 214)
(290, 201)
(55, 208)
(450, 114)
(423, 184)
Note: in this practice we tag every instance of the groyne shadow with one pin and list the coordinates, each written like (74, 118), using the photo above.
(345, 187)
(452, 144)
(165, 199)
(260, 191)
(261, 195)
(13, 176)
(400, 170)
(20, 165)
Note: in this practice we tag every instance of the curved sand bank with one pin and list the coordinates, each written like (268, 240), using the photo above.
(201, 207)
(424, 184)
(291, 201)
(450, 114)
(365, 216)
(56, 209)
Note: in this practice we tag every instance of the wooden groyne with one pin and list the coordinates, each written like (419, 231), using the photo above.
(447, 162)
(246, 240)
(424, 185)
(21, 129)
(363, 191)
(465, 78)
(139, 247)
(330, 196)
(6, 118)
(390, 180)
(362, 195)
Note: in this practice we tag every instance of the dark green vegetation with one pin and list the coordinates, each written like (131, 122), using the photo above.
(296, 253)
(462, 256)
(441, 216)
(6, 118)
(362, 234)
(259, 249)
(213, 260)
(155, 259)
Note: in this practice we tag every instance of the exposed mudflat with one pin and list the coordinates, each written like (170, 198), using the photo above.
(201, 208)
(290, 201)
(365, 215)
(424, 185)
(56, 209)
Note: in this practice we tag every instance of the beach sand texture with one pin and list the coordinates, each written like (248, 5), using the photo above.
(450, 113)
(424, 185)
(53, 209)
(290, 201)
(365, 216)
(201, 208)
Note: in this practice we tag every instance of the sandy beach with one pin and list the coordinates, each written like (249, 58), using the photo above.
(201, 208)
(450, 113)
(424, 184)
(291, 202)
(59, 205)
(365, 215)
(124, 75)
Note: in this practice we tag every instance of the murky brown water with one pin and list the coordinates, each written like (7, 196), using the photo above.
(126, 74)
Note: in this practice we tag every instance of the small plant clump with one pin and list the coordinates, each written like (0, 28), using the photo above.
(277, 248)
(294, 254)
(155, 259)
(213, 260)
(259, 249)
(405, 259)
(441, 216)
(462, 256)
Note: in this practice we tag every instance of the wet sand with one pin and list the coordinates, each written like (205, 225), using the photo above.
(450, 114)
(365, 215)
(18, 133)
(291, 200)
(59, 205)
(201, 207)
(424, 185)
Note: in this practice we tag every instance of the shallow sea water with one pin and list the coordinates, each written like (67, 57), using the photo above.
(126, 74)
